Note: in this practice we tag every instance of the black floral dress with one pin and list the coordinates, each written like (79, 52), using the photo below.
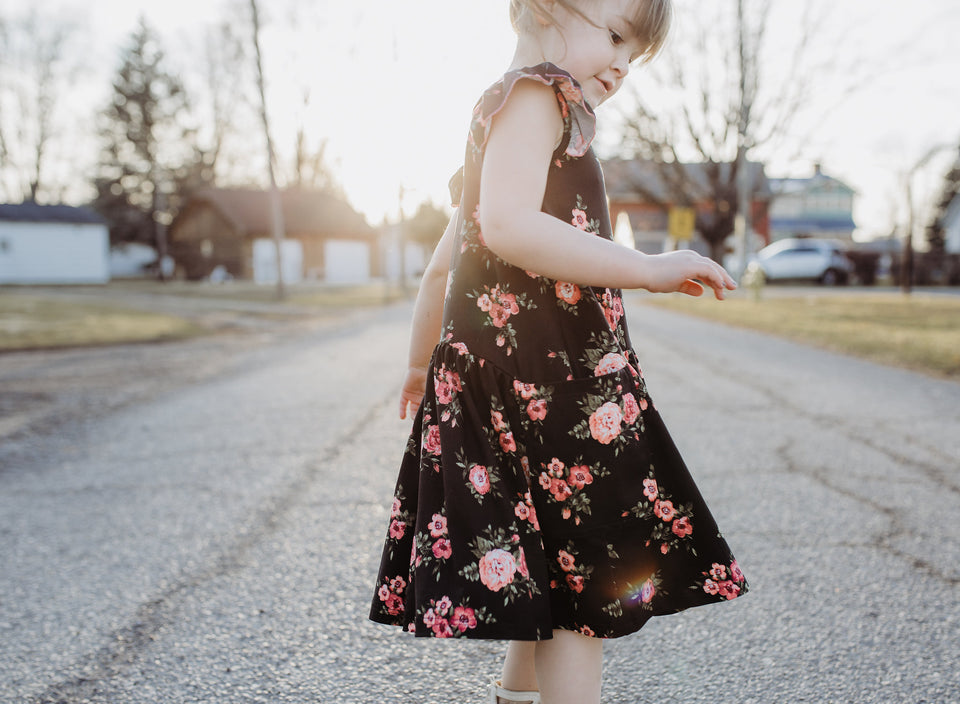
(539, 489)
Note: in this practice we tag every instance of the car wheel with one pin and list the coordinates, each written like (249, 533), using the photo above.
(831, 277)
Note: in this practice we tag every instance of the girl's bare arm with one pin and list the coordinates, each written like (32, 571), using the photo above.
(427, 320)
(522, 139)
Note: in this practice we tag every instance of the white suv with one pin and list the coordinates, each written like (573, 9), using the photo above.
(805, 258)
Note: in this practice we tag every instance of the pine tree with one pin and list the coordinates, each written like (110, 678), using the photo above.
(145, 145)
(950, 191)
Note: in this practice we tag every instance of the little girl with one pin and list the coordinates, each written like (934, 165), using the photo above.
(540, 499)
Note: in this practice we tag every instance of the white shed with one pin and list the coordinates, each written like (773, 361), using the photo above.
(53, 244)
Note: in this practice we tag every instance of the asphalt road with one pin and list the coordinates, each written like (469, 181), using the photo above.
(217, 541)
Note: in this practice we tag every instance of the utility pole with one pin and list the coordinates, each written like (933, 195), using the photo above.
(276, 210)
(742, 223)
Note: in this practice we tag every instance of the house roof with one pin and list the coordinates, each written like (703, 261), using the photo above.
(817, 183)
(628, 178)
(304, 212)
(34, 212)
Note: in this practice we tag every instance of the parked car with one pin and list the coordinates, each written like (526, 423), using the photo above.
(801, 258)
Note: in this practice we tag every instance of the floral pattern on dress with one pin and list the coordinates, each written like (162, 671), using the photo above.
(539, 488)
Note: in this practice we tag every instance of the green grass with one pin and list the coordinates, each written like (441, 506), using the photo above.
(32, 321)
(302, 294)
(917, 332)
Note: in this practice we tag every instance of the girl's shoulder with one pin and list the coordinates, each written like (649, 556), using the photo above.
(578, 118)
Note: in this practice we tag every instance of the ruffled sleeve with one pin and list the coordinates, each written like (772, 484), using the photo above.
(579, 122)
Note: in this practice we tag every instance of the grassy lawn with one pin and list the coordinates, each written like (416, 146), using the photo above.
(918, 332)
(29, 321)
(302, 294)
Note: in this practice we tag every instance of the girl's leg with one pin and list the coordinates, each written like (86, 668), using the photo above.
(519, 670)
(569, 668)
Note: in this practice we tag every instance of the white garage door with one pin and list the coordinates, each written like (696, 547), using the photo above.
(346, 262)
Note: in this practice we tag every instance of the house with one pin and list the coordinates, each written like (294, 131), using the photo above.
(53, 244)
(642, 194)
(325, 238)
(819, 206)
(950, 222)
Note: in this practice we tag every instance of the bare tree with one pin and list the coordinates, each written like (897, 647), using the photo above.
(35, 75)
(276, 209)
(720, 98)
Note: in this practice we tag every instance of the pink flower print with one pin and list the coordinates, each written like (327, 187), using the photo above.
(480, 478)
(431, 442)
(429, 618)
(484, 303)
(664, 548)
(560, 489)
(522, 511)
(650, 489)
(383, 592)
(496, 420)
(567, 563)
(499, 316)
(728, 589)
(497, 568)
(664, 510)
(442, 549)
(397, 529)
(612, 308)
(464, 618)
(587, 631)
(643, 403)
(682, 527)
(555, 467)
(565, 514)
(537, 410)
(394, 604)
(445, 384)
(545, 481)
(507, 442)
(395, 509)
(567, 292)
(647, 590)
(579, 219)
(575, 582)
(570, 91)
(441, 628)
(522, 565)
(444, 605)
(735, 572)
(509, 302)
(526, 391)
(611, 362)
(711, 587)
(605, 423)
(718, 571)
(438, 525)
(398, 584)
(460, 347)
(580, 476)
(631, 411)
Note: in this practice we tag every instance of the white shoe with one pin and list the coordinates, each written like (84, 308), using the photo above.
(500, 695)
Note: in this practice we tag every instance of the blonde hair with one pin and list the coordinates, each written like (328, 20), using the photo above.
(650, 21)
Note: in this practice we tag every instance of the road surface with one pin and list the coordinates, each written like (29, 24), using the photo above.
(217, 541)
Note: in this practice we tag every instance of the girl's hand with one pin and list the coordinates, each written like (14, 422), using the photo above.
(414, 386)
(676, 271)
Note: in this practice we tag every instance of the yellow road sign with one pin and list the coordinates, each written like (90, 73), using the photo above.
(680, 222)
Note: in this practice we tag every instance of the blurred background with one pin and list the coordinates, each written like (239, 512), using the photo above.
(806, 118)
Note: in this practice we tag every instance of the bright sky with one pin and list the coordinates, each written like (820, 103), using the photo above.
(396, 83)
